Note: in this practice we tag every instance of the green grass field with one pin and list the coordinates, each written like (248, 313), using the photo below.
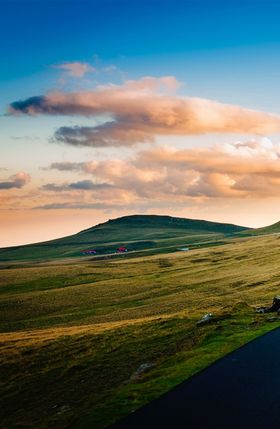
(75, 331)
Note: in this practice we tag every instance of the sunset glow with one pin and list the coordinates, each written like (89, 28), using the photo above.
(174, 121)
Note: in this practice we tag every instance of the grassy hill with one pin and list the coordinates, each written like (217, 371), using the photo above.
(75, 332)
(139, 233)
(271, 229)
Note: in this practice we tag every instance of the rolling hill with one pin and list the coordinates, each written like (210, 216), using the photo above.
(270, 229)
(138, 233)
(75, 333)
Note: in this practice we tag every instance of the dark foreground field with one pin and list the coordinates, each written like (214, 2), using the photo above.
(85, 342)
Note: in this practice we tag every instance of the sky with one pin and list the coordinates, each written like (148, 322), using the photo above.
(113, 107)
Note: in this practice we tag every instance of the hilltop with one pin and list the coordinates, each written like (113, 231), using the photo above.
(145, 233)
(271, 229)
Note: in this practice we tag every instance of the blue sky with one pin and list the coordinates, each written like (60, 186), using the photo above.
(219, 51)
(41, 32)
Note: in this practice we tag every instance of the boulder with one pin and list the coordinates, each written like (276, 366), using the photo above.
(260, 310)
(207, 318)
(274, 307)
(275, 304)
(142, 369)
(272, 319)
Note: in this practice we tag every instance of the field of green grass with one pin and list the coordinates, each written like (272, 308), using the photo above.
(74, 332)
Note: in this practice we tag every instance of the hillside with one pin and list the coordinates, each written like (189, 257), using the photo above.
(75, 333)
(270, 229)
(145, 233)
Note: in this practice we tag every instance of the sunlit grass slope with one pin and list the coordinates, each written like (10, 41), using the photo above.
(271, 229)
(139, 233)
(74, 334)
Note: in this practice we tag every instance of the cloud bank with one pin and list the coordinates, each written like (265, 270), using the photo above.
(236, 170)
(142, 109)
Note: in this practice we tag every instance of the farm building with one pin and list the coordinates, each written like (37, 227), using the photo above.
(122, 249)
(89, 252)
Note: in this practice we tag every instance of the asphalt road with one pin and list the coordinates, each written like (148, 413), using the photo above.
(240, 391)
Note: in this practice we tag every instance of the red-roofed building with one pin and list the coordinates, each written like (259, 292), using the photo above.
(89, 252)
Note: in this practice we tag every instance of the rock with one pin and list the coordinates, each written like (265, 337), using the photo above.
(207, 318)
(275, 304)
(63, 409)
(142, 369)
(274, 307)
(260, 310)
(272, 319)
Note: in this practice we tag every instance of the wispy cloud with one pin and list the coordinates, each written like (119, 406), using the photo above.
(71, 205)
(65, 166)
(82, 185)
(106, 135)
(16, 181)
(33, 138)
(75, 69)
(141, 110)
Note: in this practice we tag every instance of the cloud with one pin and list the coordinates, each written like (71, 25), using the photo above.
(66, 166)
(70, 205)
(83, 185)
(235, 170)
(75, 69)
(30, 105)
(34, 138)
(159, 177)
(16, 181)
(109, 69)
(88, 185)
(108, 134)
(142, 207)
(142, 109)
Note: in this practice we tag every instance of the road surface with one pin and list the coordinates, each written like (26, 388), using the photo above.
(240, 391)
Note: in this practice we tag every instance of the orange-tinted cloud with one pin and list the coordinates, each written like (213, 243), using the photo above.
(17, 181)
(75, 69)
(222, 183)
(250, 169)
(142, 109)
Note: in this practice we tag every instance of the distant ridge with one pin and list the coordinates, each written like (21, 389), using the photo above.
(139, 233)
(170, 221)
